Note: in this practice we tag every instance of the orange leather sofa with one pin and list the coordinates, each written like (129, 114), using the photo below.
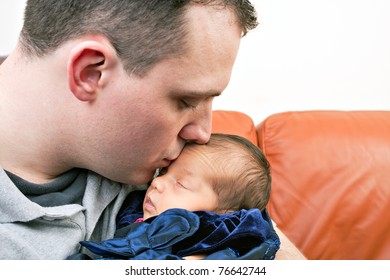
(330, 178)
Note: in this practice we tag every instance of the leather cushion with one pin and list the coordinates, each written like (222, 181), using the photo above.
(233, 122)
(331, 181)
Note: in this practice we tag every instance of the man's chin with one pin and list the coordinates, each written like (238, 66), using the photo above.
(139, 179)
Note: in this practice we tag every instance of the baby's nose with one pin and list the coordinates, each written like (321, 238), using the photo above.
(158, 184)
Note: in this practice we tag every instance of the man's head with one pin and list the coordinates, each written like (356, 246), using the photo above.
(118, 87)
(142, 32)
(229, 173)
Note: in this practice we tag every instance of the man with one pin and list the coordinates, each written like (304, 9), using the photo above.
(113, 87)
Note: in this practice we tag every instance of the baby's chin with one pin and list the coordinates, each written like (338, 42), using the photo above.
(148, 215)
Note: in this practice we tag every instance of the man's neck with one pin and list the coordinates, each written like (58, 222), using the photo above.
(29, 137)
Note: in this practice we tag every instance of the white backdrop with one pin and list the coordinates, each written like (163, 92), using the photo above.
(305, 54)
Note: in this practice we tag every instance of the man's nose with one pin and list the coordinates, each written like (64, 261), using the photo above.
(199, 129)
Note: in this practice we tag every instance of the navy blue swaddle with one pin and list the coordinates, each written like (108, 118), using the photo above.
(176, 233)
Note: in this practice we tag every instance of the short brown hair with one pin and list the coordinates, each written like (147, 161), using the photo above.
(244, 174)
(143, 32)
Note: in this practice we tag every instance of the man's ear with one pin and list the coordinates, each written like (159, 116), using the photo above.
(87, 63)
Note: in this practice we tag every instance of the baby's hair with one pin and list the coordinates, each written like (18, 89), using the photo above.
(243, 179)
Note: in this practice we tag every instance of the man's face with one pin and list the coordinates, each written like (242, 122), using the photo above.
(185, 184)
(145, 121)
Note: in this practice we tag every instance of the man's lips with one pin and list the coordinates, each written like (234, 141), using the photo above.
(168, 160)
(166, 163)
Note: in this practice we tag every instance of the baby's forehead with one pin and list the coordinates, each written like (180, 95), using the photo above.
(215, 145)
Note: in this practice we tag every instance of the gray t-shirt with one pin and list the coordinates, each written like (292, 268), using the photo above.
(35, 224)
(68, 188)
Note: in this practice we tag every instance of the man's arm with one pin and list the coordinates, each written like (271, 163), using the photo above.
(287, 250)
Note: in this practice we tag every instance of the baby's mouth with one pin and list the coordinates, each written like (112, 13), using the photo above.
(148, 204)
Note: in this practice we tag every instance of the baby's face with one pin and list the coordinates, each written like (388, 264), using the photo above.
(184, 184)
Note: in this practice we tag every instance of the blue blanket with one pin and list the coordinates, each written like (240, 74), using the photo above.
(176, 233)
